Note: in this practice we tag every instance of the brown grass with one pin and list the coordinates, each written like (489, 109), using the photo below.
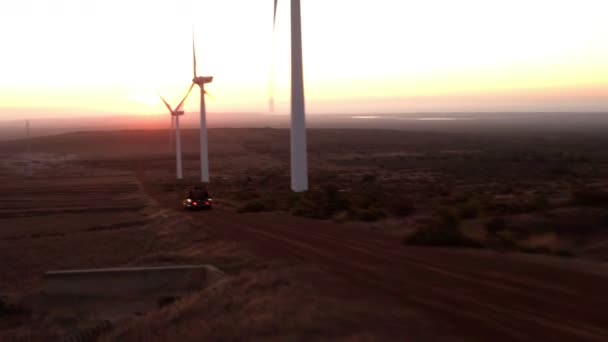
(263, 305)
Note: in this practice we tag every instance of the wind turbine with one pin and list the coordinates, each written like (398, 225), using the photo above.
(29, 148)
(175, 114)
(299, 165)
(204, 150)
(172, 127)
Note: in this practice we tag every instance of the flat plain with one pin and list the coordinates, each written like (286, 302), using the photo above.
(404, 235)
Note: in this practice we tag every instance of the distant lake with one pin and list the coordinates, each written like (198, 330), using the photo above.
(426, 118)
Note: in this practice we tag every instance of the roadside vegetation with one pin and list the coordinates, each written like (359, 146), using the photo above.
(444, 189)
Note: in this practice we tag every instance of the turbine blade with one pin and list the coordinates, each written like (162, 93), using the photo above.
(179, 106)
(166, 104)
(274, 15)
(193, 55)
(209, 94)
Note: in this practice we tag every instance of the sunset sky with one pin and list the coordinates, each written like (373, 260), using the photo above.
(87, 57)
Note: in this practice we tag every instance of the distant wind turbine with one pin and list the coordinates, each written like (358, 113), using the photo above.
(172, 127)
(299, 165)
(175, 114)
(204, 150)
(28, 171)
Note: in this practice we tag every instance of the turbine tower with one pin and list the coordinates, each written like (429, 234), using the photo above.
(204, 150)
(299, 165)
(172, 127)
(175, 114)
(28, 171)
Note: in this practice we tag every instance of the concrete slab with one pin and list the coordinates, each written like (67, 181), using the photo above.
(130, 281)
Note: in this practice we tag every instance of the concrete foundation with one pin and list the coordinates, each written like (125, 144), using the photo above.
(130, 282)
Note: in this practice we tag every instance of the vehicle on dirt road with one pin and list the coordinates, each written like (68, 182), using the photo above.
(197, 204)
(198, 198)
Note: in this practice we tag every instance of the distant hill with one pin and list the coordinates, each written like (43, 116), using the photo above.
(463, 122)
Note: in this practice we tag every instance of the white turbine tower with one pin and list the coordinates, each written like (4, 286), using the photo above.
(172, 127)
(28, 171)
(175, 114)
(204, 150)
(299, 165)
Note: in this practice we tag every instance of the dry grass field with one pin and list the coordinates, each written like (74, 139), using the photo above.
(367, 254)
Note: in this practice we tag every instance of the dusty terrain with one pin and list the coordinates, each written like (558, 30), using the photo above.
(330, 264)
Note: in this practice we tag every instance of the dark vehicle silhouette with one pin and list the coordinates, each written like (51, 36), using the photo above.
(197, 199)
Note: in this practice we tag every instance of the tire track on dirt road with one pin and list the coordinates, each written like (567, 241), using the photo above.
(481, 305)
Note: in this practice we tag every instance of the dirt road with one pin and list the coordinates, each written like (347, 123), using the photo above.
(477, 295)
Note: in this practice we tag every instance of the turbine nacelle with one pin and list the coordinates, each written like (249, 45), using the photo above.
(178, 110)
(200, 80)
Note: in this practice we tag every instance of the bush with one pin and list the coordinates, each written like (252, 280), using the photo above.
(544, 250)
(444, 232)
(468, 210)
(603, 221)
(367, 178)
(253, 206)
(245, 194)
(590, 197)
(300, 204)
(496, 224)
(539, 202)
(401, 206)
(441, 236)
(325, 176)
(505, 240)
(341, 216)
(7, 307)
(371, 214)
(323, 203)
(447, 218)
(331, 200)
